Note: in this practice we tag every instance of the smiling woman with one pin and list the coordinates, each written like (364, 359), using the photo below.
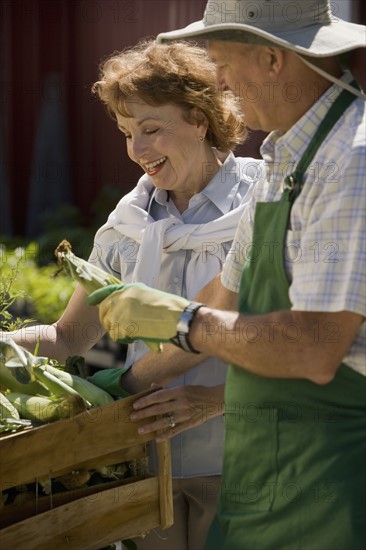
(173, 232)
(166, 102)
(169, 149)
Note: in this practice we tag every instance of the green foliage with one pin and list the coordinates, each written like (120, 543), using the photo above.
(8, 295)
(66, 222)
(27, 285)
(28, 289)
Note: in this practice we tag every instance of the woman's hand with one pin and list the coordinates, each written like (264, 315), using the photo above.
(179, 408)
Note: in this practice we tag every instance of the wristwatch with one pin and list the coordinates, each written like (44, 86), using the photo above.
(185, 320)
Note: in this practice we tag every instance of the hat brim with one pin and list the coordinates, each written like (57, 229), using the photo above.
(315, 40)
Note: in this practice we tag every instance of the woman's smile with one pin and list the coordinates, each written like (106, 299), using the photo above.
(153, 168)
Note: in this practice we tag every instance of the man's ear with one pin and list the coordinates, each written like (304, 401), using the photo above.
(274, 60)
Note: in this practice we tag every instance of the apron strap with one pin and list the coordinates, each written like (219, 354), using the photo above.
(294, 182)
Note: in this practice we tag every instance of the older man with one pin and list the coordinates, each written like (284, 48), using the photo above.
(288, 311)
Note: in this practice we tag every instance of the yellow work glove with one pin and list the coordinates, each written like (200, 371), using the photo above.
(138, 312)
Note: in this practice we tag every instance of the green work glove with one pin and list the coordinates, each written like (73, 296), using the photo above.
(138, 312)
(109, 380)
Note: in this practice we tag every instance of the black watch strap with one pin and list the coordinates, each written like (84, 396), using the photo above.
(185, 320)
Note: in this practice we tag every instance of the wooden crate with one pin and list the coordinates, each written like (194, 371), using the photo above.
(91, 517)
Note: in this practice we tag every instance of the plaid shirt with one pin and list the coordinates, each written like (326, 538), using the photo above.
(325, 249)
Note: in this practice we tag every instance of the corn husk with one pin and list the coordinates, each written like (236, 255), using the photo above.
(75, 479)
(9, 382)
(87, 274)
(23, 372)
(19, 361)
(90, 277)
(7, 409)
(93, 395)
(11, 425)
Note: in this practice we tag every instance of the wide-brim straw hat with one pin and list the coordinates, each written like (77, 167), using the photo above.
(304, 26)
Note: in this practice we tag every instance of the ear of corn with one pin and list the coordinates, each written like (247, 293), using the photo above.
(44, 409)
(7, 409)
(19, 360)
(43, 378)
(90, 392)
(9, 425)
(116, 471)
(9, 382)
(56, 386)
(88, 275)
(75, 479)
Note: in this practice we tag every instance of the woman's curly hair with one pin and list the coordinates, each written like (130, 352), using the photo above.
(179, 73)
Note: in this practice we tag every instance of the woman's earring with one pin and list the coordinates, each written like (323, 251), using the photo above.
(202, 138)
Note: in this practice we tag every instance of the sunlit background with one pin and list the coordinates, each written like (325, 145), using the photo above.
(62, 160)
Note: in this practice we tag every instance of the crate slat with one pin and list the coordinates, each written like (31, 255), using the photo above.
(91, 517)
(65, 444)
(91, 522)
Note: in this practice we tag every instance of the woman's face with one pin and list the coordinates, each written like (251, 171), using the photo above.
(167, 147)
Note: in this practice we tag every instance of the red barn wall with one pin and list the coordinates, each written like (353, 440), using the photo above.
(64, 41)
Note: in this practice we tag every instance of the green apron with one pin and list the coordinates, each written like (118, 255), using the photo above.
(295, 456)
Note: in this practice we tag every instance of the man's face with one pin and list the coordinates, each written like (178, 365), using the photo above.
(240, 68)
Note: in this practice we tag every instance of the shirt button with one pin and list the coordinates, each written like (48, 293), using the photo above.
(176, 280)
